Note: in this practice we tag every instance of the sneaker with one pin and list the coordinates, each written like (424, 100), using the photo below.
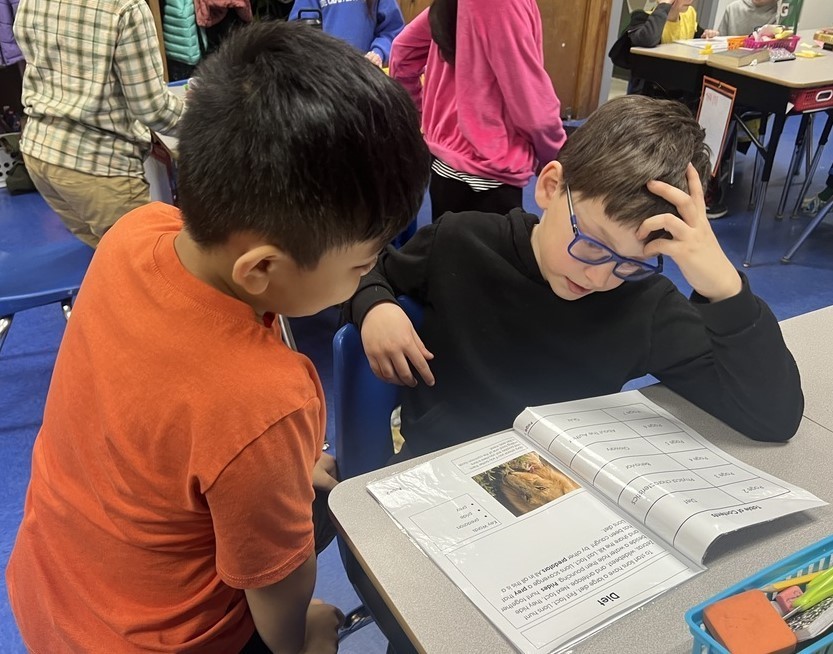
(811, 204)
(717, 210)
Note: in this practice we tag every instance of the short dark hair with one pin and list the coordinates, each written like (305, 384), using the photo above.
(626, 143)
(294, 135)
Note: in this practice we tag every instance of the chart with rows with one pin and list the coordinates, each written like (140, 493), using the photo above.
(655, 469)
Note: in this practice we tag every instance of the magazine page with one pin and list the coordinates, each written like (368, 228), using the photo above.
(658, 470)
(717, 43)
(546, 561)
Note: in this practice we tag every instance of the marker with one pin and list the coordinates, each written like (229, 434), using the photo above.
(795, 581)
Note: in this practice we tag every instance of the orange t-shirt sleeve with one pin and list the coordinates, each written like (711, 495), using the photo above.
(261, 503)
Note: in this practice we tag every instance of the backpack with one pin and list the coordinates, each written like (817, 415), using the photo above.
(16, 177)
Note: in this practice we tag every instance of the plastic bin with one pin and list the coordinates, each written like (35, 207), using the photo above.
(810, 559)
(789, 43)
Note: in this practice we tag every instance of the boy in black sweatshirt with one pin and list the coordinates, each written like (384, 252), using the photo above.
(521, 312)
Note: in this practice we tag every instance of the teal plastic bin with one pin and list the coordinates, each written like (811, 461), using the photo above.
(815, 557)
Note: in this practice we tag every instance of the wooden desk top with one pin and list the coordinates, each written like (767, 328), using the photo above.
(796, 74)
(675, 51)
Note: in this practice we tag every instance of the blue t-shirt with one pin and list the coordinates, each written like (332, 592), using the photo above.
(350, 20)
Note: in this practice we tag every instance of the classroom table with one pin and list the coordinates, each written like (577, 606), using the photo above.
(766, 87)
(437, 617)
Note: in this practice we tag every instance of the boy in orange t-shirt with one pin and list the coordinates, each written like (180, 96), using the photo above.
(171, 503)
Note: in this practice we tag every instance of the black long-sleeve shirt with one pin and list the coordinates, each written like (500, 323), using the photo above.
(503, 340)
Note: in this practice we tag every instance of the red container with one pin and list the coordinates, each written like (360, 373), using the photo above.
(812, 99)
(788, 44)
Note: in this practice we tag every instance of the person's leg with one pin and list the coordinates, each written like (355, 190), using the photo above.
(455, 196)
(47, 180)
(449, 195)
(101, 201)
(88, 204)
(500, 200)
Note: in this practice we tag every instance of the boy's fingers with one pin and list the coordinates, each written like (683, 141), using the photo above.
(676, 196)
(421, 365)
(669, 222)
(403, 371)
(423, 350)
(384, 371)
(695, 186)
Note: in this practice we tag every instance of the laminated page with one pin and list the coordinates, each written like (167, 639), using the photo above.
(546, 561)
(658, 470)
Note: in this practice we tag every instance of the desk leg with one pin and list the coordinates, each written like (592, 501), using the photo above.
(811, 169)
(795, 162)
(769, 158)
(807, 231)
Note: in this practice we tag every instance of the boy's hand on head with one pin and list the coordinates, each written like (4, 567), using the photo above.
(325, 474)
(693, 245)
(392, 346)
(710, 34)
(374, 58)
(323, 622)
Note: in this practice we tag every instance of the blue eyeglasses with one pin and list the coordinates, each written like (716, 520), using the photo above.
(589, 250)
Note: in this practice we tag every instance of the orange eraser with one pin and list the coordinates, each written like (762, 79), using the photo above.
(748, 624)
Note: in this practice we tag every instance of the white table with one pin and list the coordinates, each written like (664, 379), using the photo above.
(439, 619)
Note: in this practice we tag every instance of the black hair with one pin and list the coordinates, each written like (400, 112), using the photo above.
(442, 18)
(292, 134)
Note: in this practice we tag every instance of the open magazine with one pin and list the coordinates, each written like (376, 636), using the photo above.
(717, 43)
(583, 512)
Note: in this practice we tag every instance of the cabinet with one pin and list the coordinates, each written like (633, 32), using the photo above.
(412, 8)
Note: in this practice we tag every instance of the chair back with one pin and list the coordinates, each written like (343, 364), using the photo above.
(363, 402)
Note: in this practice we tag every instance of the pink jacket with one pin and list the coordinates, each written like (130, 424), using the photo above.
(211, 12)
(494, 113)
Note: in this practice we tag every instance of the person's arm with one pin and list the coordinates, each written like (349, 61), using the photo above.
(390, 341)
(729, 358)
(389, 23)
(283, 622)
(646, 30)
(138, 66)
(723, 350)
(517, 61)
(409, 54)
(261, 509)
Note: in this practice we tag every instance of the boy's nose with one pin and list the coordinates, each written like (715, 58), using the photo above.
(600, 275)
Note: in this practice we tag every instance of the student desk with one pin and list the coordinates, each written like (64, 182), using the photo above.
(765, 87)
(437, 617)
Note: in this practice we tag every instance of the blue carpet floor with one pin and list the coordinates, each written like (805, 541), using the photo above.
(27, 358)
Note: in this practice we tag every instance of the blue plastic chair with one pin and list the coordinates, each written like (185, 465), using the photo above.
(363, 402)
(45, 274)
(363, 406)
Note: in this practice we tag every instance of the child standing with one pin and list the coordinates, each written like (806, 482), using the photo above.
(742, 17)
(520, 312)
(368, 25)
(672, 20)
(490, 114)
(172, 504)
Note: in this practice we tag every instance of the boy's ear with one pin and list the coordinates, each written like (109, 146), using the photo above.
(549, 184)
(253, 270)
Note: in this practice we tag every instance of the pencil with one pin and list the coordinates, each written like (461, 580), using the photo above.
(795, 581)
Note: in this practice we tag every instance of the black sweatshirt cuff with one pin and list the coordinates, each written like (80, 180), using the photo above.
(732, 315)
(366, 299)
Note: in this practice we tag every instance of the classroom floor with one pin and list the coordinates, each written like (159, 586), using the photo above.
(29, 353)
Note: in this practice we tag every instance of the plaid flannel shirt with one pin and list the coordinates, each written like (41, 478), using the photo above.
(93, 84)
